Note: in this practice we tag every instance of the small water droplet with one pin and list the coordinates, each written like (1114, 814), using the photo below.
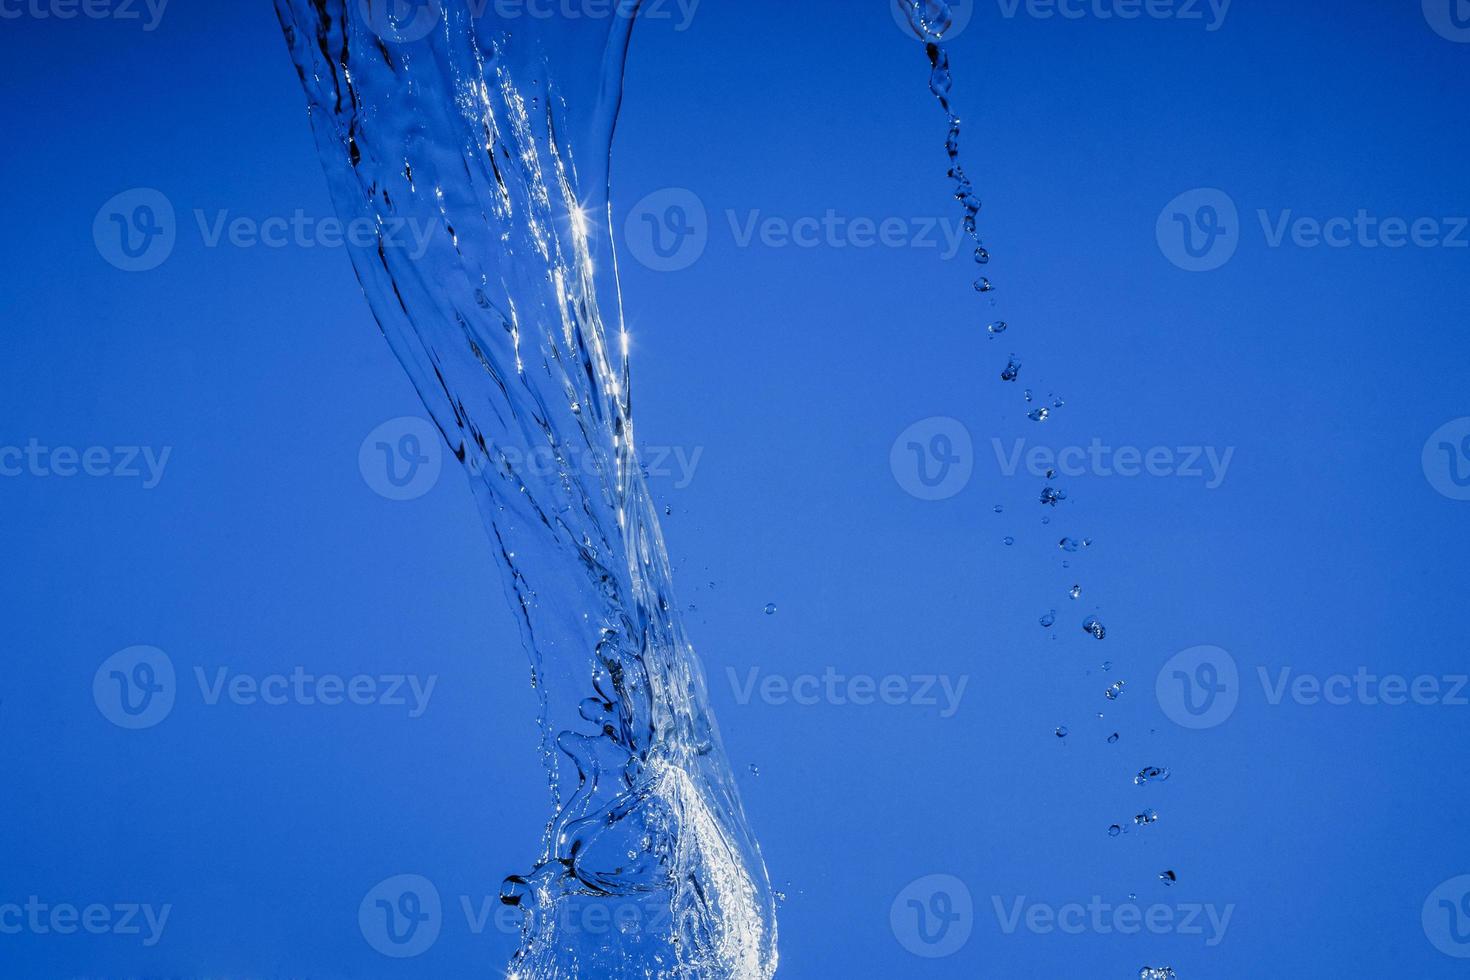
(983, 285)
(1012, 371)
(982, 255)
(1075, 592)
(999, 509)
(1049, 619)
(1095, 627)
(1115, 690)
(755, 770)
(1107, 665)
(998, 327)
(1146, 817)
(1114, 830)
(1027, 394)
(1062, 732)
(1113, 738)
(770, 609)
(1039, 414)
(1152, 773)
(1009, 541)
(1168, 877)
(1050, 496)
(1068, 544)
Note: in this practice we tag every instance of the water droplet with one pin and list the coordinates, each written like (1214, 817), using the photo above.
(1009, 541)
(1068, 544)
(1168, 877)
(755, 770)
(1039, 414)
(983, 285)
(1115, 690)
(1027, 393)
(982, 255)
(1075, 592)
(1157, 973)
(1146, 817)
(1051, 496)
(1095, 627)
(1114, 830)
(770, 609)
(1012, 371)
(1049, 619)
(1046, 520)
(1062, 732)
(999, 509)
(998, 327)
(1107, 665)
(1057, 403)
(1152, 773)
(1113, 738)
(1051, 474)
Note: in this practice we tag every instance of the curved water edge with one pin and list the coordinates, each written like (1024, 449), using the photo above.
(496, 135)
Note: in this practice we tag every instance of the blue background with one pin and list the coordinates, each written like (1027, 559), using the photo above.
(793, 370)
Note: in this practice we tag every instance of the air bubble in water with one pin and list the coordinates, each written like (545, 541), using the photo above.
(1152, 773)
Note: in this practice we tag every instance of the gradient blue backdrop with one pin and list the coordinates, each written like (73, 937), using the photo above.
(792, 370)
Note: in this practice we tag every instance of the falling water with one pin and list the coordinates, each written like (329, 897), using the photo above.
(497, 134)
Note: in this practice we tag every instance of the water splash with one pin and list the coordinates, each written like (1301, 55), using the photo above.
(509, 325)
